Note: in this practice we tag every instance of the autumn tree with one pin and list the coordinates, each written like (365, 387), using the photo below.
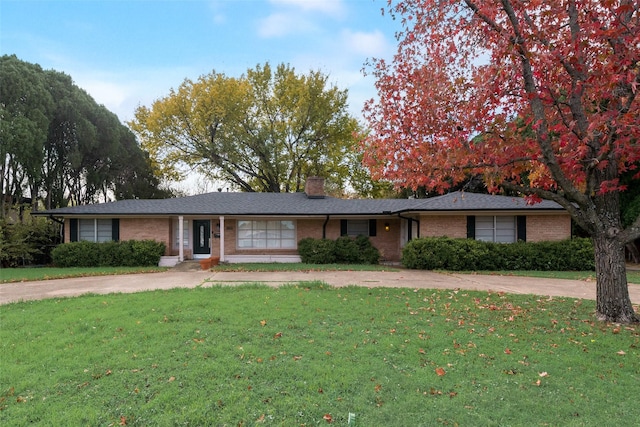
(266, 130)
(540, 97)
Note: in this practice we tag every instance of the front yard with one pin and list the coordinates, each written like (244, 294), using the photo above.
(314, 355)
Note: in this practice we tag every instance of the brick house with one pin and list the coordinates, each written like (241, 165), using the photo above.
(255, 227)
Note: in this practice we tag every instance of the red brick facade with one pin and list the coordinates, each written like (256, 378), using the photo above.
(387, 238)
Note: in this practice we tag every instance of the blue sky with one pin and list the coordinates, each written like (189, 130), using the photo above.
(127, 53)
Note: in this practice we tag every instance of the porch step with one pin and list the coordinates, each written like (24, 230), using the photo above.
(168, 261)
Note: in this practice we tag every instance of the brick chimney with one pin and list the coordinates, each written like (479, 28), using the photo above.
(314, 187)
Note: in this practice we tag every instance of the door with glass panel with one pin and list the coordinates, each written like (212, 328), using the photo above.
(201, 237)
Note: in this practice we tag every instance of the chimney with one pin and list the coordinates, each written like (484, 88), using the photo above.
(314, 187)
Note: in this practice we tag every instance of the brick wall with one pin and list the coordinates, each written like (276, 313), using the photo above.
(454, 226)
(158, 229)
(548, 227)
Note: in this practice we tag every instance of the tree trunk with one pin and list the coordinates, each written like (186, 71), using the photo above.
(613, 303)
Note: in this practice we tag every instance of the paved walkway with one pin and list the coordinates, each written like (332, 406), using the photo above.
(12, 292)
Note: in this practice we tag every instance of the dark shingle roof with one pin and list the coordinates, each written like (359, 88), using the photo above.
(461, 201)
(291, 204)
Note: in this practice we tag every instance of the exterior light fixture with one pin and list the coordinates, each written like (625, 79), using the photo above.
(386, 226)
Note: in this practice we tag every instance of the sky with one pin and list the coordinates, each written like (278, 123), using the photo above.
(128, 53)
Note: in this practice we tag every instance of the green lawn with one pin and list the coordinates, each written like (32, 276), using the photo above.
(303, 355)
(45, 273)
(633, 276)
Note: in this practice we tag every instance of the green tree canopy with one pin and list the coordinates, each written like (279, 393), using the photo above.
(264, 131)
(57, 144)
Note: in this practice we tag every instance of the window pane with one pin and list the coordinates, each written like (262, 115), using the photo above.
(266, 234)
(185, 233)
(104, 230)
(86, 230)
(288, 243)
(357, 227)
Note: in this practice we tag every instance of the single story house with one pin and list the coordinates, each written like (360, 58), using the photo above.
(266, 227)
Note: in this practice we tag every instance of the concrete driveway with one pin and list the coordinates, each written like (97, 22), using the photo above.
(413, 279)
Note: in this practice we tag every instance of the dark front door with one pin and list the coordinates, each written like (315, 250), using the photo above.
(201, 237)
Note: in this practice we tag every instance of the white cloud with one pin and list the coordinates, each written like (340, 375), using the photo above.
(282, 24)
(373, 44)
(334, 8)
(218, 15)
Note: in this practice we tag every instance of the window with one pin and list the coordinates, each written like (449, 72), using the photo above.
(266, 235)
(501, 229)
(96, 230)
(185, 234)
(358, 227)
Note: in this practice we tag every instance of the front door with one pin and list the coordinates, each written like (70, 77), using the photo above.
(201, 237)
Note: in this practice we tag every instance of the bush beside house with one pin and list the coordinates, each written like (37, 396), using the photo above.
(446, 253)
(130, 253)
(344, 250)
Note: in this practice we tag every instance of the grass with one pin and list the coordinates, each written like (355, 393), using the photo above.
(46, 273)
(303, 355)
(298, 266)
(633, 276)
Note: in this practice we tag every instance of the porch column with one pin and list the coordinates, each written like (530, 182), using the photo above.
(221, 239)
(180, 237)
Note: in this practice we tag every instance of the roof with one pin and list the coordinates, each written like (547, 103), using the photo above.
(296, 204)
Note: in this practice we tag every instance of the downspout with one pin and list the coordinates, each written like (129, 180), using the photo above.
(324, 227)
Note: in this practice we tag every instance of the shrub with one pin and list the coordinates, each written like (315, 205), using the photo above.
(317, 251)
(344, 250)
(27, 242)
(130, 253)
(466, 254)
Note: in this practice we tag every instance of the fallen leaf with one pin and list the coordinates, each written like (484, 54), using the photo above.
(543, 374)
(263, 323)
(296, 358)
(621, 353)
(123, 421)
(278, 335)
(171, 379)
(328, 418)
(440, 372)
(507, 351)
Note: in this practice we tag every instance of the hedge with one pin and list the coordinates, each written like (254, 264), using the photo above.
(344, 250)
(130, 253)
(446, 253)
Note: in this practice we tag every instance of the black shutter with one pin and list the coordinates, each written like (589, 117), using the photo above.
(471, 227)
(73, 230)
(343, 227)
(522, 228)
(115, 229)
(372, 228)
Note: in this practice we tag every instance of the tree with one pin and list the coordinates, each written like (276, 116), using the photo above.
(58, 144)
(264, 131)
(25, 105)
(540, 97)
